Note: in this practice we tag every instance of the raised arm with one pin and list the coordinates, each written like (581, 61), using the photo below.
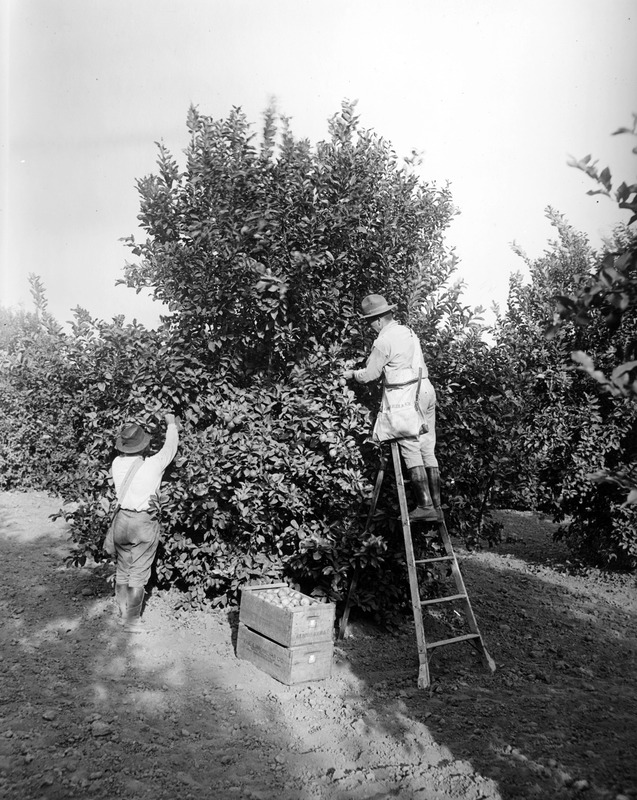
(171, 443)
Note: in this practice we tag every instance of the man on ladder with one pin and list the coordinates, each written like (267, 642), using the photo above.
(395, 352)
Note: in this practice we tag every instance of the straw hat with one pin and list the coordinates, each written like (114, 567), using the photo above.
(375, 305)
(132, 439)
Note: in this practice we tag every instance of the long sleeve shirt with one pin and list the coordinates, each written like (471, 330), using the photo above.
(392, 353)
(147, 479)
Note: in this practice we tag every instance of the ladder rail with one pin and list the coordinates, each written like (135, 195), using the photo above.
(423, 672)
(459, 581)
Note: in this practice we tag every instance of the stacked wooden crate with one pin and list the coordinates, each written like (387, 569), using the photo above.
(285, 633)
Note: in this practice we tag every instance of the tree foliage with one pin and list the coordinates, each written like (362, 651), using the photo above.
(262, 251)
(576, 319)
(262, 254)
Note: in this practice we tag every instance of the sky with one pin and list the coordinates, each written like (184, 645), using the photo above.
(496, 96)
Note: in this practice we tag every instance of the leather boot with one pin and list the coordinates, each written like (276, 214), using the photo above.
(425, 510)
(121, 600)
(433, 479)
(135, 601)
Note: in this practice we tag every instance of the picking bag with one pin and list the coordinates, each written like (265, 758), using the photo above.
(400, 416)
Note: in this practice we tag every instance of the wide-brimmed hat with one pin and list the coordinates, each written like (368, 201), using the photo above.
(375, 305)
(132, 439)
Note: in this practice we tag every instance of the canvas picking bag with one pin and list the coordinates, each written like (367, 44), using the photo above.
(400, 416)
(109, 544)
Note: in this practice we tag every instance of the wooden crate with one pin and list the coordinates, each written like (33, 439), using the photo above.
(289, 665)
(289, 627)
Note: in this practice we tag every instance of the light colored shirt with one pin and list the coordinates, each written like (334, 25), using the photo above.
(147, 479)
(392, 352)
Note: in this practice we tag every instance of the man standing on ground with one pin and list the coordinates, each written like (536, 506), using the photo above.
(136, 531)
(393, 351)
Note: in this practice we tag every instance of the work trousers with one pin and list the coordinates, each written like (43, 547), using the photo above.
(419, 451)
(136, 536)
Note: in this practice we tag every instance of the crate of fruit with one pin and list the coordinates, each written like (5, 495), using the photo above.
(289, 665)
(286, 616)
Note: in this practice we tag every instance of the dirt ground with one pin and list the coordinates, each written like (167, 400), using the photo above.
(88, 711)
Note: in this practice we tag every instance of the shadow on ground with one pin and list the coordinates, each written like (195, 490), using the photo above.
(88, 710)
(559, 716)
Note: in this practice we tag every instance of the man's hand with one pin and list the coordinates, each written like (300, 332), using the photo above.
(174, 420)
(348, 374)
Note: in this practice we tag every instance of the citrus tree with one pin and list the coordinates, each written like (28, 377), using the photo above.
(601, 308)
(262, 251)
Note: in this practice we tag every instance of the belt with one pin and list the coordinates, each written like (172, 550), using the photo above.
(136, 511)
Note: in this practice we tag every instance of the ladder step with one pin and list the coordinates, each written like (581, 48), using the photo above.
(455, 639)
(443, 599)
(429, 560)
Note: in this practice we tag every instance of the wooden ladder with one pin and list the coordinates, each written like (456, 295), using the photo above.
(461, 596)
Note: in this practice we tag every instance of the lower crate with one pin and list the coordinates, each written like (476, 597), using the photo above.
(289, 665)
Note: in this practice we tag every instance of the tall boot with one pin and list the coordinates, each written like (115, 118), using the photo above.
(121, 600)
(135, 601)
(433, 479)
(425, 510)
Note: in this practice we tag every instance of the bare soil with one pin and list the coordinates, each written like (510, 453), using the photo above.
(87, 710)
